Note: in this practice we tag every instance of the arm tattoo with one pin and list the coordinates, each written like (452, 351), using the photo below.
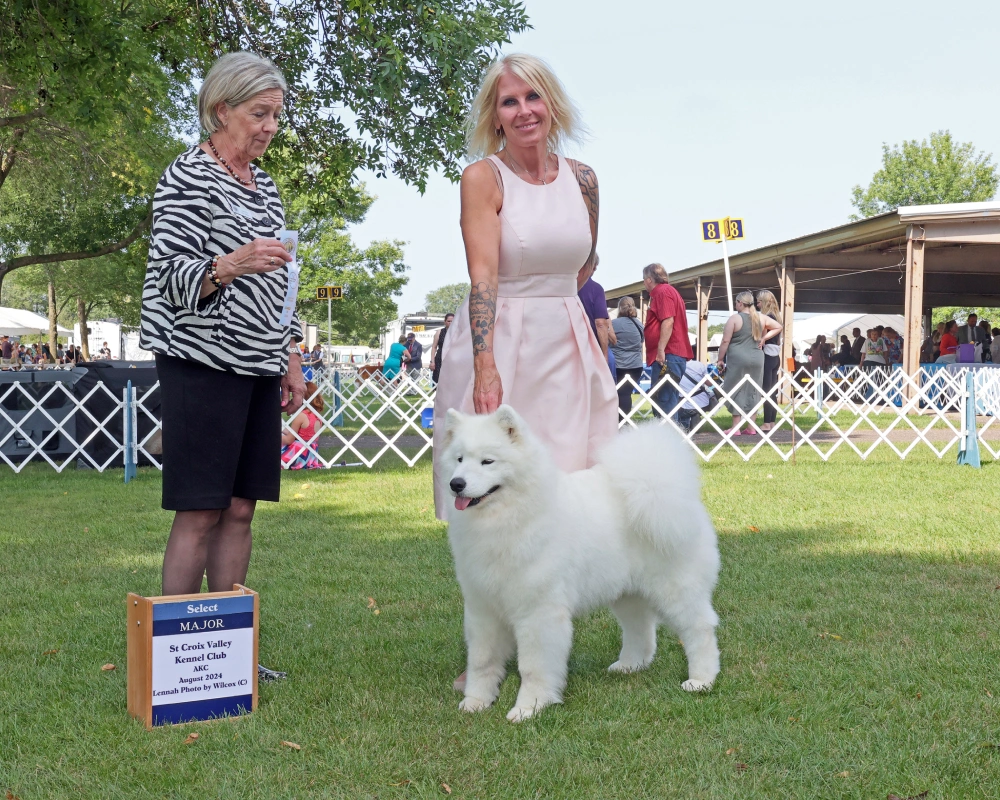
(587, 179)
(482, 315)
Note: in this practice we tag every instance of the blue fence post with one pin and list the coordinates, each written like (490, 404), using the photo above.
(338, 418)
(968, 453)
(129, 433)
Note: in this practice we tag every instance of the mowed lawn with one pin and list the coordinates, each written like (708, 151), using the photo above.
(860, 605)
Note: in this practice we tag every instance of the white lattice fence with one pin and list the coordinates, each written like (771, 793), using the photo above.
(49, 422)
(856, 408)
(366, 418)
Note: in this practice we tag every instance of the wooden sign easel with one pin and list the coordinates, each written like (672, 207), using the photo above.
(192, 657)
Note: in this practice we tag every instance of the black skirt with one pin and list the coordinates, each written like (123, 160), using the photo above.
(221, 435)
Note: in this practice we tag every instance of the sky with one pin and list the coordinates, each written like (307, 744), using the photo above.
(769, 111)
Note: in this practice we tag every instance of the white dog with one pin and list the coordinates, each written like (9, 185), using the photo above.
(535, 547)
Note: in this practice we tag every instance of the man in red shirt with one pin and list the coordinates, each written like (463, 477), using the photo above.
(666, 334)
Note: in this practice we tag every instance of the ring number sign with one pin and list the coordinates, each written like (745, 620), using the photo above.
(714, 230)
(329, 292)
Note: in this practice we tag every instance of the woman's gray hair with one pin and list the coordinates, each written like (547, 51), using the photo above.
(234, 79)
(626, 307)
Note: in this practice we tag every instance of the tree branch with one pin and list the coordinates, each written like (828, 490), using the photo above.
(9, 155)
(121, 244)
(6, 122)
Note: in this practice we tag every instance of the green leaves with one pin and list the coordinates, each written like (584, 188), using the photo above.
(917, 173)
(382, 86)
(371, 278)
(446, 299)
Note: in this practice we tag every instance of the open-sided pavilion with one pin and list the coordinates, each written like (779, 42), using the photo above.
(907, 261)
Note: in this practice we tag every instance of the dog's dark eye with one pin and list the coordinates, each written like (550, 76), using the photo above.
(459, 459)
(487, 461)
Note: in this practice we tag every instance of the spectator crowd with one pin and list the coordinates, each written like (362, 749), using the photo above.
(18, 355)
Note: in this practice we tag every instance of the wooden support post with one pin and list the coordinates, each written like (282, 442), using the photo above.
(787, 279)
(703, 290)
(787, 309)
(914, 299)
(643, 309)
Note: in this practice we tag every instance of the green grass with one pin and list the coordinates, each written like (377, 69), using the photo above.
(859, 611)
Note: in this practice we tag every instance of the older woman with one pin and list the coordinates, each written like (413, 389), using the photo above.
(529, 221)
(211, 308)
(627, 348)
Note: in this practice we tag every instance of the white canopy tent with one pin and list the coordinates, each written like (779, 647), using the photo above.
(19, 322)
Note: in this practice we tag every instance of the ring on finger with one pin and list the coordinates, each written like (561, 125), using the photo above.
(271, 261)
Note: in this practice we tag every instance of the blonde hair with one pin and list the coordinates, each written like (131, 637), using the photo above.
(768, 304)
(756, 326)
(656, 272)
(234, 79)
(482, 136)
(626, 307)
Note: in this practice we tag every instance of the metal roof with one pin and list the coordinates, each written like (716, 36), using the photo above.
(860, 266)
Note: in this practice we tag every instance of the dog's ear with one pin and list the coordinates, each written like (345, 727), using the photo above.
(510, 421)
(452, 419)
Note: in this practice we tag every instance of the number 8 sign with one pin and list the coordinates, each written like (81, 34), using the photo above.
(733, 228)
(711, 231)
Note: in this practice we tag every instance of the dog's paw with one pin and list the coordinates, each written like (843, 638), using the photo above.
(473, 704)
(691, 685)
(520, 713)
(618, 666)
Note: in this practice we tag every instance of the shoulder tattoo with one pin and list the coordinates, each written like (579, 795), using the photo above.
(587, 179)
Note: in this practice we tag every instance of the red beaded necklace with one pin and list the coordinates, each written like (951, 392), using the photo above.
(237, 178)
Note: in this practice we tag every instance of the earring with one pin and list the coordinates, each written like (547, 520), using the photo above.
(498, 131)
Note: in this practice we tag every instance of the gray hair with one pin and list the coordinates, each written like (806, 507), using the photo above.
(656, 272)
(626, 307)
(234, 79)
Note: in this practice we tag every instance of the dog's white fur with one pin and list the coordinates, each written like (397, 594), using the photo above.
(546, 546)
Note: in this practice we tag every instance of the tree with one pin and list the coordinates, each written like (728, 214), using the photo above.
(961, 314)
(446, 299)
(403, 71)
(92, 97)
(380, 86)
(371, 277)
(917, 173)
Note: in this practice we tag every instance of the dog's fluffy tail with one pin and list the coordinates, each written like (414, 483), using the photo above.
(653, 469)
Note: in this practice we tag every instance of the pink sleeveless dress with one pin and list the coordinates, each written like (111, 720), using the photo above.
(551, 366)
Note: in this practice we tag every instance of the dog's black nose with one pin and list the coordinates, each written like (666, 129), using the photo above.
(457, 485)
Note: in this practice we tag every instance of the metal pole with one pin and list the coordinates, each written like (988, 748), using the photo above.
(729, 283)
(329, 329)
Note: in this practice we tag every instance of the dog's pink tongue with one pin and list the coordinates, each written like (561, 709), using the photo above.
(462, 503)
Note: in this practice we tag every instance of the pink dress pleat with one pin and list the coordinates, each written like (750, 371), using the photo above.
(550, 364)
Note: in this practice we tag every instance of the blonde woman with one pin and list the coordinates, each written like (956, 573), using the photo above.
(742, 345)
(767, 304)
(529, 222)
(627, 348)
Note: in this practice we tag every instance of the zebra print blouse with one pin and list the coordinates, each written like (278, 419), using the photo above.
(198, 212)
